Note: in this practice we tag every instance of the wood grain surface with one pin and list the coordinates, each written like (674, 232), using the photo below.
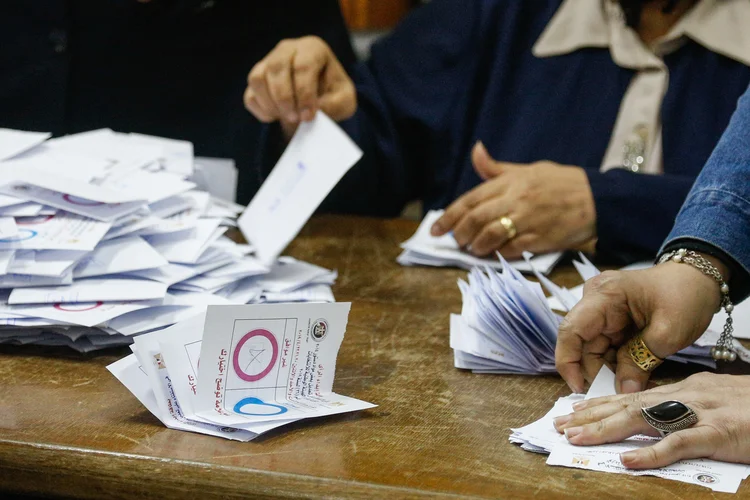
(69, 429)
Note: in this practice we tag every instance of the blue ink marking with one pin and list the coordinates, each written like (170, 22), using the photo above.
(23, 235)
(259, 402)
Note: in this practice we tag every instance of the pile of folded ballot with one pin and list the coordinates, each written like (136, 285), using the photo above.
(239, 371)
(507, 325)
(103, 236)
(423, 249)
(541, 437)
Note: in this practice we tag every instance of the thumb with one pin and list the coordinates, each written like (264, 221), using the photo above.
(629, 377)
(485, 166)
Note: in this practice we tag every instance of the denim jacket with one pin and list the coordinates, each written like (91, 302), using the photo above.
(715, 217)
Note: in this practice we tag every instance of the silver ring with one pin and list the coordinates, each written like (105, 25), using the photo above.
(669, 416)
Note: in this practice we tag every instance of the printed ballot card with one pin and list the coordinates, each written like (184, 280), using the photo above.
(271, 362)
(314, 162)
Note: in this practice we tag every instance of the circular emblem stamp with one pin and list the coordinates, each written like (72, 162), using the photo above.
(319, 330)
(706, 478)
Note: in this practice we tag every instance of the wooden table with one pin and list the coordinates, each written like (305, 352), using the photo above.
(68, 428)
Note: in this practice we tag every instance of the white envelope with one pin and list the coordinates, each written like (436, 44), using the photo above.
(316, 159)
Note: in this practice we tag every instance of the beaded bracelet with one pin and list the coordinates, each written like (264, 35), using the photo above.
(724, 349)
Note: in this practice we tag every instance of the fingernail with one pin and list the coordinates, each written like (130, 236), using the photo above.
(630, 386)
(628, 459)
(436, 229)
(560, 421)
(580, 405)
(572, 432)
(292, 117)
(307, 114)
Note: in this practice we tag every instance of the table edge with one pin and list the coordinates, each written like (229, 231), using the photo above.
(92, 473)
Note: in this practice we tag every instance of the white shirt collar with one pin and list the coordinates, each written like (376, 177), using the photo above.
(721, 26)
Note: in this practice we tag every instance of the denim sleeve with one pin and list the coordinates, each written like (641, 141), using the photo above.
(717, 210)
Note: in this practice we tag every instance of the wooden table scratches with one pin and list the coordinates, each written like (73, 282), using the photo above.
(68, 428)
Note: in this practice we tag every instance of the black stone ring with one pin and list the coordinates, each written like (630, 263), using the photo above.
(669, 416)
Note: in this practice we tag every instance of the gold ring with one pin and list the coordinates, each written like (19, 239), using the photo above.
(642, 355)
(509, 226)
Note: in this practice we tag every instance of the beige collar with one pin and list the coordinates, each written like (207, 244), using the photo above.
(722, 26)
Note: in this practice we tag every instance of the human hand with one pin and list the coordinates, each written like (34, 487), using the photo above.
(551, 206)
(722, 431)
(671, 305)
(295, 80)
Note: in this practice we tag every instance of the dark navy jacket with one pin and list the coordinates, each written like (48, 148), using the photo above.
(175, 68)
(461, 70)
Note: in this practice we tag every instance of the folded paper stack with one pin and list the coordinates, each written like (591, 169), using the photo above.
(541, 437)
(423, 249)
(239, 371)
(507, 325)
(103, 236)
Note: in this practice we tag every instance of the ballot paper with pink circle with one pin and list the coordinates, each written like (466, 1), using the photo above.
(271, 362)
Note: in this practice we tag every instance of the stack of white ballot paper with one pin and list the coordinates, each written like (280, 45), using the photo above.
(239, 371)
(103, 235)
(541, 437)
(423, 249)
(507, 326)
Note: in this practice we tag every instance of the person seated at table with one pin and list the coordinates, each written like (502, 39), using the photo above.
(645, 316)
(173, 68)
(541, 125)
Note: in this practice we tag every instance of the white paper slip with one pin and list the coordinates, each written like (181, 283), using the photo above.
(316, 159)
(24, 173)
(56, 232)
(6, 260)
(149, 354)
(176, 273)
(186, 247)
(26, 209)
(150, 186)
(719, 476)
(26, 280)
(91, 290)
(170, 206)
(271, 362)
(84, 314)
(8, 227)
(180, 347)
(15, 142)
(98, 210)
(312, 293)
(132, 226)
(153, 318)
(134, 377)
(176, 156)
(104, 144)
(119, 256)
(427, 250)
(45, 262)
(288, 274)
